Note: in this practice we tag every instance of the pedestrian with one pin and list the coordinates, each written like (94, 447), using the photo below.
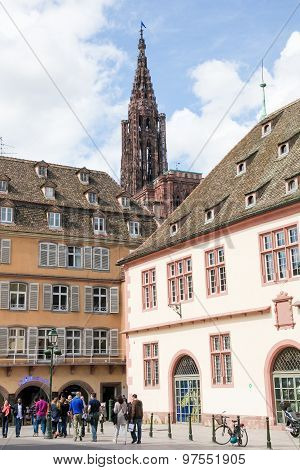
(19, 413)
(77, 408)
(137, 418)
(6, 409)
(62, 424)
(55, 416)
(41, 410)
(33, 415)
(69, 419)
(84, 418)
(93, 413)
(120, 410)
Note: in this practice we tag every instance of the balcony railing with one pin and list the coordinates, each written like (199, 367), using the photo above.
(35, 357)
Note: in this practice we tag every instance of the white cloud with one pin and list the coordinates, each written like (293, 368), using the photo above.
(33, 116)
(216, 83)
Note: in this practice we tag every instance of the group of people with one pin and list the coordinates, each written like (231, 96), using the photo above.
(125, 416)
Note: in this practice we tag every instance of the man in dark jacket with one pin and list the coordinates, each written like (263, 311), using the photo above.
(137, 418)
(19, 413)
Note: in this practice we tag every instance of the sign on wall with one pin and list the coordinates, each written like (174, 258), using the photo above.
(31, 378)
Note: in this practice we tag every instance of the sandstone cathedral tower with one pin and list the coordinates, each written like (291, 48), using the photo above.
(144, 166)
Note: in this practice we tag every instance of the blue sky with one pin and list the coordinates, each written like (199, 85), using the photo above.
(200, 54)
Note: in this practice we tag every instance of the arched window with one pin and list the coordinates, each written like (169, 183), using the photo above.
(177, 201)
(186, 366)
(140, 123)
(149, 162)
(147, 124)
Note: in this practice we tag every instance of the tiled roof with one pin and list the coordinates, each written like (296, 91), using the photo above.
(25, 192)
(265, 173)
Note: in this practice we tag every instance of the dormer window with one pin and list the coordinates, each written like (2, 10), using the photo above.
(42, 169)
(283, 149)
(250, 200)
(241, 168)
(3, 186)
(173, 229)
(134, 228)
(92, 197)
(209, 215)
(291, 185)
(99, 224)
(125, 201)
(83, 176)
(49, 192)
(6, 215)
(266, 129)
(54, 220)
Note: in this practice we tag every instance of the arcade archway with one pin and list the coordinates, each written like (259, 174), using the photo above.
(71, 388)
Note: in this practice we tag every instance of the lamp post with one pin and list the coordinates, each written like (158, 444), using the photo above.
(50, 353)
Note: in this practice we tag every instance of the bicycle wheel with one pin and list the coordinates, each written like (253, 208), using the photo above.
(222, 435)
(243, 438)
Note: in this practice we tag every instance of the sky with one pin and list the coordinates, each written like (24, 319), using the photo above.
(67, 68)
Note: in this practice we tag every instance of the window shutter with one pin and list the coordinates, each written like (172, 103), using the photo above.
(75, 306)
(113, 342)
(52, 254)
(105, 259)
(4, 295)
(114, 300)
(32, 340)
(3, 342)
(87, 255)
(62, 256)
(87, 342)
(97, 258)
(33, 296)
(47, 288)
(88, 299)
(44, 254)
(5, 251)
(61, 341)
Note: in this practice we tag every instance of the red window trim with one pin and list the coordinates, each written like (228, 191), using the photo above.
(222, 353)
(184, 275)
(216, 266)
(286, 248)
(152, 359)
(149, 285)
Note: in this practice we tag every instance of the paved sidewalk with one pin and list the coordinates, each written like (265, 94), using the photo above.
(180, 440)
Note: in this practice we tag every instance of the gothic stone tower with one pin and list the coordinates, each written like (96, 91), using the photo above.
(144, 167)
(144, 133)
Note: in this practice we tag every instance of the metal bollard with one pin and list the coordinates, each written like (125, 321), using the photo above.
(213, 429)
(238, 421)
(269, 445)
(190, 428)
(110, 409)
(151, 426)
(169, 426)
(101, 426)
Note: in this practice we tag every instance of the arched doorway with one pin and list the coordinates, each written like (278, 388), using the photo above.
(30, 393)
(3, 395)
(187, 390)
(72, 387)
(286, 380)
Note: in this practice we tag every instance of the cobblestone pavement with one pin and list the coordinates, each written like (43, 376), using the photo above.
(160, 440)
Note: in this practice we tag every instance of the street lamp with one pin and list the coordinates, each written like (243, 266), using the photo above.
(50, 353)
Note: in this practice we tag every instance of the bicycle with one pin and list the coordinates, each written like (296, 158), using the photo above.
(224, 434)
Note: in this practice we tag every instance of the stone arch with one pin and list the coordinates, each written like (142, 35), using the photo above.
(34, 383)
(268, 373)
(175, 360)
(79, 383)
(3, 394)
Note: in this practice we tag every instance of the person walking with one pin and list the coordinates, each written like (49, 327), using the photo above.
(62, 424)
(77, 408)
(55, 415)
(6, 409)
(19, 413)
(93, 412)
(120, 410)
(41, 409)
(137, 418)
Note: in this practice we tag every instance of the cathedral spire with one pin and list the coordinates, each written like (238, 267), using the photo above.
(144, 133)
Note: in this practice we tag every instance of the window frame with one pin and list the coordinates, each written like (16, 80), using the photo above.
(6, 210)
(149, 289)
(216, 266)
(290, 180)
(73, 338)
(3, 183)
(74, 255)
(60, 294)
(268, 132)
(273, 249)
(16, 337)
(92, 195)
(18, 293)
(151, 363)
(212, 211)
(54, 216)
(134, 223)
(46, 189)
(100, 351)
(100, 296)
(177, 270)
(96, 220)
(222, 353)
(242, 172)
(281, 154)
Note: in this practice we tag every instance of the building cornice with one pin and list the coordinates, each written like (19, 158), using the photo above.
(202, 319)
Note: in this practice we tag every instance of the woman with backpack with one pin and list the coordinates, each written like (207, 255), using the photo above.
(120, 411)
